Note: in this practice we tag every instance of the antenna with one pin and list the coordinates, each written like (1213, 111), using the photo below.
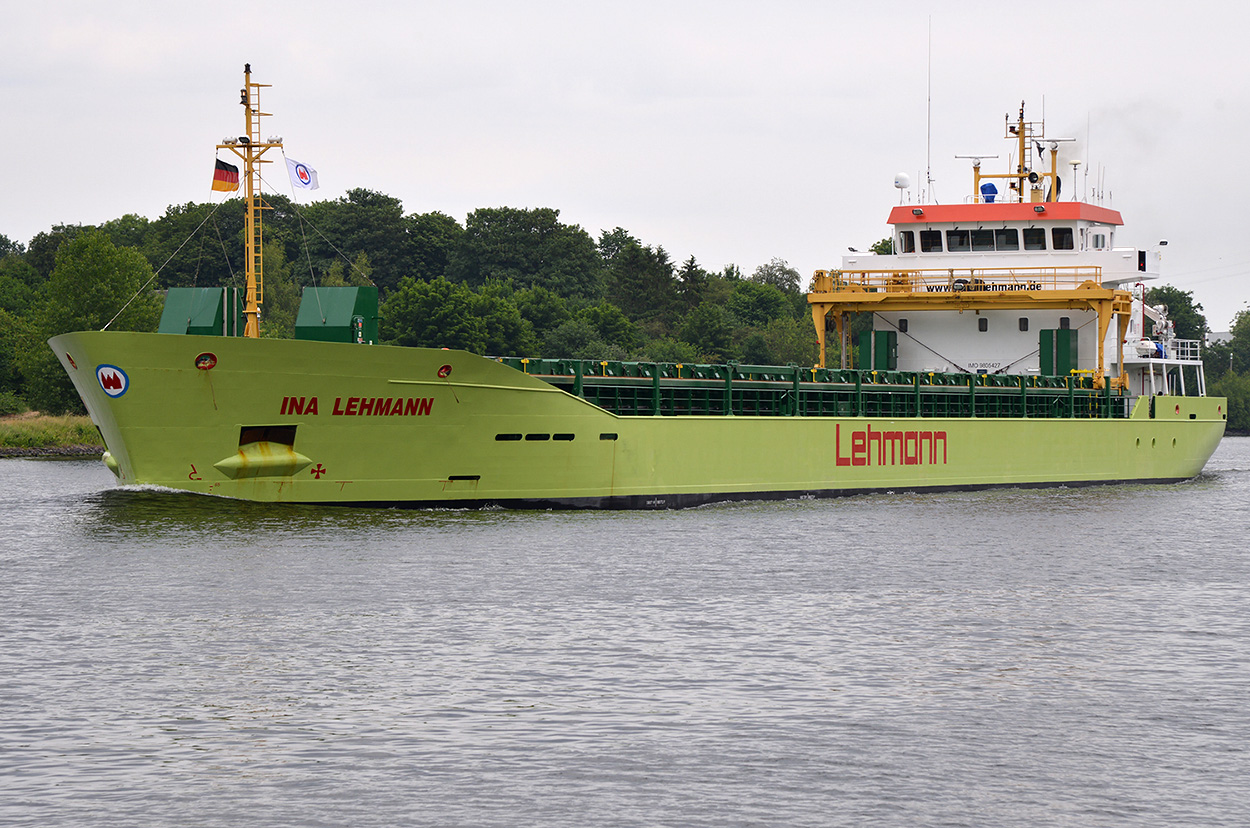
(928, 126)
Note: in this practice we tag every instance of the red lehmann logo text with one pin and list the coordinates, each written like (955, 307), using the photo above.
(891, 448)
(362, 406)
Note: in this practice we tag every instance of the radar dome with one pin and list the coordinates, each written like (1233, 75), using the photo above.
(902, 181)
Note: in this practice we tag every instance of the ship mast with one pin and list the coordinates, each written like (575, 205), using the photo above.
(1024, 181)
(249, 148)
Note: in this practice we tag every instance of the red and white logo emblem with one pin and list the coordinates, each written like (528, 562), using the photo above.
(112, 379)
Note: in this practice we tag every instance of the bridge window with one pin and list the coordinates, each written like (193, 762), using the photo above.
(957, 241)
(983, 324)
(907, 242)
(1024, 323)
(902, 326)
(1034, 238)
(1062, 238)
(930, 241)
(1100, 241)
(982, 240)
(1007, 239)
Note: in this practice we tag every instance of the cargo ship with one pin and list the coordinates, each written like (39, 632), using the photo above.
(1011, 345)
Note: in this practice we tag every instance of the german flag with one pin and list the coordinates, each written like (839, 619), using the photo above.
(225, 177)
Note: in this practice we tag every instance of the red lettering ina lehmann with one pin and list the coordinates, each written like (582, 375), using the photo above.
(361, 406)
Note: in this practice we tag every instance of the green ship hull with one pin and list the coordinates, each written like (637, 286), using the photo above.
(316, 422)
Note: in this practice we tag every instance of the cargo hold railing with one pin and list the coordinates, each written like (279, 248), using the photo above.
(683, 389)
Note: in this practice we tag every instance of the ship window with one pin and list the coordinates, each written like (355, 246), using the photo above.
(565, 437)
(1007, 239)
(1034, 238)
(1100, 241)
(1064, 323)
(537, 438)
(1024, 323)
(507, 438)
(1062, 238)
(907, 242)
(607, 436)
(957, 241)
(902, 326)
(930, 241)
(983, 324)
(982, 240)
(284, 434)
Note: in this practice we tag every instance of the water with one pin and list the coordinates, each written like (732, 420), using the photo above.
(1015, 657)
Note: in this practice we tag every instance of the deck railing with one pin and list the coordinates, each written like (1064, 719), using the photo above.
(957, 279)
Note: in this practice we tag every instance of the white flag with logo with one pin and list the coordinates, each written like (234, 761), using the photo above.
(302, 175)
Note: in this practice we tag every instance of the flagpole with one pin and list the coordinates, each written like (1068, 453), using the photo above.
(250, 148)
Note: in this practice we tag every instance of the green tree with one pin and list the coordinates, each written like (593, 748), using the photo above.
(507, 332)
(755, 303)
(667, 349)
(362, 221)
(779, 274)
(709, 328)
(1236, 387)
(433, 235)
(197, 245)
(611, 325)
(41, 254)
(434, 314)
(15, 335)
(578, 339)
(544, 309)
(692, 284)
(754, 350)
(641, 282)
(792, 341)
(18, 282)
(612, 242)
(281, 294)
(528, 248)
(8, 246)
(1239, 345)
(94, 283)
(127, 231)
(885, 247)
(357, 275)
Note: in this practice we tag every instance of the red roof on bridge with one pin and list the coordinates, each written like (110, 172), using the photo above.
(987, 213)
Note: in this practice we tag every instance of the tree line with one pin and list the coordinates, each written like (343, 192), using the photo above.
(508, 281)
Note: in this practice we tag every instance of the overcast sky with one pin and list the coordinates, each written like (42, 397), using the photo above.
(732, 131)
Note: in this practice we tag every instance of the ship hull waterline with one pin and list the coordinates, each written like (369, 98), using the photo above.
(313, 422)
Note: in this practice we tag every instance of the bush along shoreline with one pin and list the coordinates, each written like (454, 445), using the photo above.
(39, 435)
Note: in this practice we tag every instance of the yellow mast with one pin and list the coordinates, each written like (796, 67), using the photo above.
(250, 148)
(1024, 132)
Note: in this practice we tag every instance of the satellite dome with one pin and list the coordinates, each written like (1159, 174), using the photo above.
(902, 181)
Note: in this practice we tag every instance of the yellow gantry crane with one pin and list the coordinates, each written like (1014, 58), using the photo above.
(249, 148)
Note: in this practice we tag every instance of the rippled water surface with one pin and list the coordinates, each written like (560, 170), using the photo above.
(1016, 657)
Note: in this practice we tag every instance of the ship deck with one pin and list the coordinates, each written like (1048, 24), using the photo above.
(675, 389)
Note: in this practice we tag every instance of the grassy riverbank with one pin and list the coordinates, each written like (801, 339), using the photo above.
(34, 434)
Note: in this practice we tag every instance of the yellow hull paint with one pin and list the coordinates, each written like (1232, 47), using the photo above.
(377, 424)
